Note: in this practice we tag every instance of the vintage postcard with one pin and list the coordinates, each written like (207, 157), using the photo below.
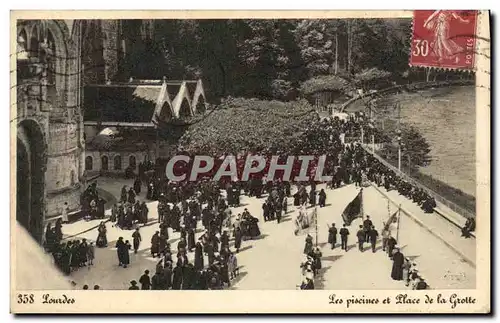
(250, 162)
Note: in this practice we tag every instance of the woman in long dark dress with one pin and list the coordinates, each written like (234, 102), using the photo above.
(49, 237)
(122, 252)
(144, 213)
(253, 227)
(391, 244)
(332, 235)
(308, 247)
(190, 239)
(398, 260)
(312, 197)
(296, 199)
(126, 256)
(177, 277)
(123, 195)
(102, 240)
(317, 260)
(137, 186)
(322, 198)
(131, 196)
(155, 244)
(209, 249)
(58, 235)
(198, 256)
(237, 239)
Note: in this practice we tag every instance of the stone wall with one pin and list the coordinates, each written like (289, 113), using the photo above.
(97, 157)
(56, 200)
(58, 115)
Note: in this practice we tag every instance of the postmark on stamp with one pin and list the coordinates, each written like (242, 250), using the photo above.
(444, 39)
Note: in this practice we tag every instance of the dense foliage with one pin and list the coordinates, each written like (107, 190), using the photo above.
(324, 83)
(266, 59)
(250, 125)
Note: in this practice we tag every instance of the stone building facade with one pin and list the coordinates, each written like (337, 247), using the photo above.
(49, 123)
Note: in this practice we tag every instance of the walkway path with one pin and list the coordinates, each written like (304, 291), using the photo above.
(273, 260)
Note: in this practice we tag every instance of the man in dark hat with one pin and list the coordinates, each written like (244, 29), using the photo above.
(361, 237)
(344, 233)
(133, 285)
(397, 264)
(136, 237)
(367, 225)
(145, 281)
(332, 235)
(155, 244)
(373, 235)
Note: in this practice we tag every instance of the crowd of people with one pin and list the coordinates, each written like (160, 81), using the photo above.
(402, 268)
(182, 205)
(92, 206)
(69, 255)
(311, 265)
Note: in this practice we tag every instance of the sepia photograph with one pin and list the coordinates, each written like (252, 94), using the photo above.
(258, 154)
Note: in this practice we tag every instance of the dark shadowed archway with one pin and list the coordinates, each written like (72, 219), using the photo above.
(185, 109)
(201, 105)
(31, 164)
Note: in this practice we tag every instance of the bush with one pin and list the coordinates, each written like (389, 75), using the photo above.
(248, 125)
(324, 83)
(371, 78)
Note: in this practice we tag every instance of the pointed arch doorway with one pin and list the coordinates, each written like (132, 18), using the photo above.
(30, 178)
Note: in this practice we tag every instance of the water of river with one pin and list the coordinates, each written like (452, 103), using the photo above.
(446, 117)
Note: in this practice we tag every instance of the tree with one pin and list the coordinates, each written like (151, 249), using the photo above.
(415, 150)
(317, 40)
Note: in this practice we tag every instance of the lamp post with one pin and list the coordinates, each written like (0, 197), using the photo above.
(398, 134)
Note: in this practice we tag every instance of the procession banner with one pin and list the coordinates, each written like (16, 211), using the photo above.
(354, 209)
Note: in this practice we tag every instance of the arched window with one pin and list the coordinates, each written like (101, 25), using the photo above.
(118, 162)
(34, 43)
(50, 55)
(131, 161)
(166, 112)
(104, 163)
(200, 105)
(185, 110)
(22, 49)
(88, 163)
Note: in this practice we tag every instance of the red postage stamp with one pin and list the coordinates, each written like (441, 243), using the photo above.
(444, 39)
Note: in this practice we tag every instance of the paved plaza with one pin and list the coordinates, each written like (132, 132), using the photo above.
(273, 260)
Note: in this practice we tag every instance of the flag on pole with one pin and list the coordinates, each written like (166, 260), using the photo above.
(399, 221)
(392, 219)
(304, 221)
(315, 219)
(353, 210)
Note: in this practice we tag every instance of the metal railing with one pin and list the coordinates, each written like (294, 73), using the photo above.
(453, 206)
(412, 86)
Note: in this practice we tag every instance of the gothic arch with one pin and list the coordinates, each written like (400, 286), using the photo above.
(200, 105)
(34, 42)
(89, 163)
(30, 179)
(166, 112)
(117, 162)
(184, 109)
(22, 44)
(132, 161)
(104, 163)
